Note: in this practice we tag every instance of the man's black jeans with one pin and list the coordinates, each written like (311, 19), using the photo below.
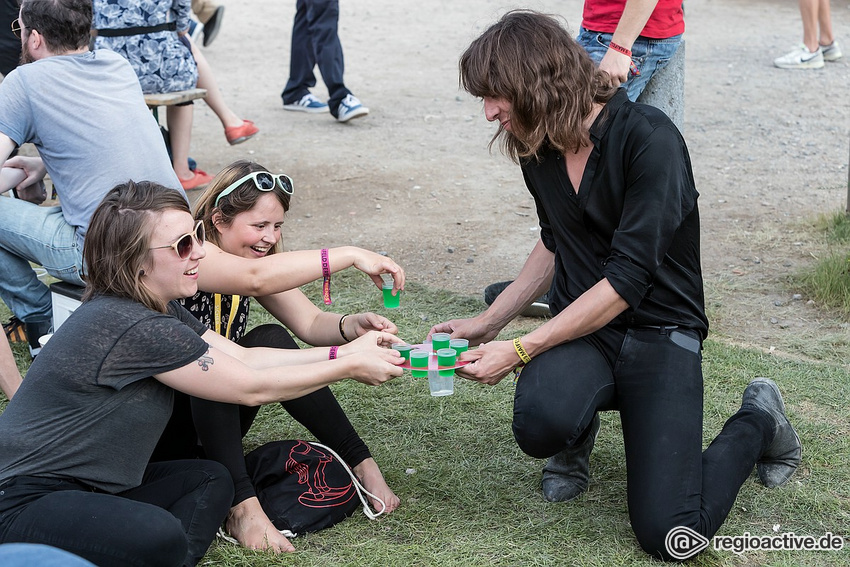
(653, 377)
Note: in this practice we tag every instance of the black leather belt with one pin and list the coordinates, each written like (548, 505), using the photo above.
(138, 30)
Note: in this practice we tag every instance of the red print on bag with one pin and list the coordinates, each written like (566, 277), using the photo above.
(318, 493)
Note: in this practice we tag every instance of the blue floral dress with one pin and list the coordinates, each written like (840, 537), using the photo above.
(162, 60)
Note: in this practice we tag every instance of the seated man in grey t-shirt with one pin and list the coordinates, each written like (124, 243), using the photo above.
(85, 113)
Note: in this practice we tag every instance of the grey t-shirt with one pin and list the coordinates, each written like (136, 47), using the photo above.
(87, 117)
(89, 409)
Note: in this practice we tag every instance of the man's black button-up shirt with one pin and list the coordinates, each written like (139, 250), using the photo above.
(634, 219)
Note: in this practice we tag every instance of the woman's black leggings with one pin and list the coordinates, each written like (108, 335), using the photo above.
(219, 427)
(170, 519)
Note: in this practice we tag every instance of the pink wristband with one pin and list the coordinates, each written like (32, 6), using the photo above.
(332, 353)
(326, 277)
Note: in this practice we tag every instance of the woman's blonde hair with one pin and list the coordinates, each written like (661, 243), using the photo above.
(117, 244)
(530, 60)
(242, 199)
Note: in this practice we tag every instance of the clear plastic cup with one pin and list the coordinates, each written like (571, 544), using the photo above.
(460, 345)
(403, 350)
(446, 357)
(419, 359)
(440, 340)
(390, 301)
(441, 385)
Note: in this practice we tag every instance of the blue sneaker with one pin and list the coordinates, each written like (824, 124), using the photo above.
(349, 108)
(308, 103)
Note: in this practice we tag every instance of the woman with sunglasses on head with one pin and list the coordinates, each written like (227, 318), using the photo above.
(76, 439)
(261, 274)
(242, 211)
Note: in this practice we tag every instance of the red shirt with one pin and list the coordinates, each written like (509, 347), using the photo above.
(666, 20)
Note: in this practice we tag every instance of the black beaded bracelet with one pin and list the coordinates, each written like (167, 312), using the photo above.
(342, 329)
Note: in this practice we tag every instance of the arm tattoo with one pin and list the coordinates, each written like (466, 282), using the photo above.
(205, 361)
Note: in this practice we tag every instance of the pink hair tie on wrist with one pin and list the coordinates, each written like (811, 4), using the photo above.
(326, 277)
(332, 353)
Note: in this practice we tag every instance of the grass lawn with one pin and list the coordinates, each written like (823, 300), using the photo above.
(471, 497)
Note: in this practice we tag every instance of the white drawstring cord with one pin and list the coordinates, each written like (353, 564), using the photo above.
(359, 487)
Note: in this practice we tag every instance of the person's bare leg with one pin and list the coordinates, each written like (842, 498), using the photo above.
(809, 15)
(179, 120)
(373, 481)
(204, 9)
(825, 23)
(10, 377)
(214, 98)
(248, 523)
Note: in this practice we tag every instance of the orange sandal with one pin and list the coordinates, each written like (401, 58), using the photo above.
(238, 134)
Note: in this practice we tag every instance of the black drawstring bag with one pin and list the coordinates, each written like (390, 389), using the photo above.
(304, 487)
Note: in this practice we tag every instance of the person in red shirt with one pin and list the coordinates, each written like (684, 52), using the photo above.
(631, 39)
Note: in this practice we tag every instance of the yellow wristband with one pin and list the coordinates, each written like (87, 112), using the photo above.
(521, 351)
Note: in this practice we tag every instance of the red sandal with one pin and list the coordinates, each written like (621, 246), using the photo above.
(238, 134)
(197, 180)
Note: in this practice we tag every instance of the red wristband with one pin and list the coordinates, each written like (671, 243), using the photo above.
(326, 277)
(332, 353)
(621, 49)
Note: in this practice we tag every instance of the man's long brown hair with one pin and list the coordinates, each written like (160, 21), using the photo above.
(530, 60)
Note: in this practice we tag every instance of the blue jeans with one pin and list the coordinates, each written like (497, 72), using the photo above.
(29, 233)
(30, 554)
(649, 55)
(170, 519)
(654, 378)
(315, 41)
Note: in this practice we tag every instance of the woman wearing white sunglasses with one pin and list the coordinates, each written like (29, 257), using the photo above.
(76, 439)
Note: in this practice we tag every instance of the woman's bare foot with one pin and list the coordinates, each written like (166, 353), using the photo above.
(252, 528)
(373, 481)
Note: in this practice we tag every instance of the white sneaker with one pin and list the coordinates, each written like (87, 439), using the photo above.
(801, 58)
(349, 108)
(195, 30)
(831, 52)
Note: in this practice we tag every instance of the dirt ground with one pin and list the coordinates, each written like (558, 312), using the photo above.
(415, 178)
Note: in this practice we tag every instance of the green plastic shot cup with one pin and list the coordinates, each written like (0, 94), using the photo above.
(419, 359)
(460, 345)
(403, 350)
(390, 301)
(440, 340)
(446, 357)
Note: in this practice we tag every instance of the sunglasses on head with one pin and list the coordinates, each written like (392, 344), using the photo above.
(263, 180)
(183, 245)
(16, 27)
